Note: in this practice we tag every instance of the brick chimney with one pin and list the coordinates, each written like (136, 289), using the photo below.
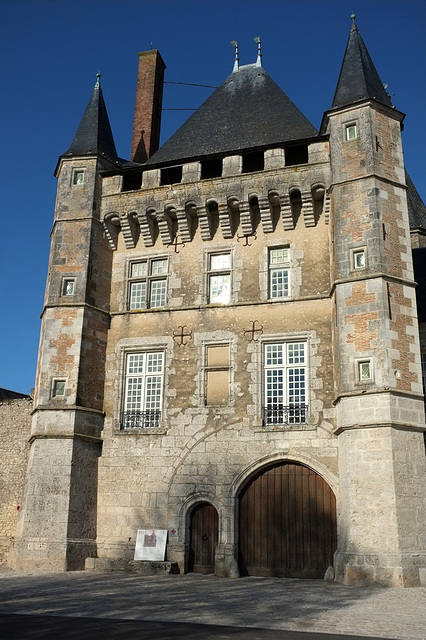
(149, 95)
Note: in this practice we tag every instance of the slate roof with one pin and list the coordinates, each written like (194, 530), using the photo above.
(416, 206)
(419, 262)
(358, 77)
(6, 394)
(94, 135)
(248, 110)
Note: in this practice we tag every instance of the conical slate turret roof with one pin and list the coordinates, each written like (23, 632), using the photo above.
(358, 76)
(416, 206)
(248, 110)
(94, 135)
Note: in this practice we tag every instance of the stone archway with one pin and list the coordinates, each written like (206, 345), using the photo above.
(287, 523)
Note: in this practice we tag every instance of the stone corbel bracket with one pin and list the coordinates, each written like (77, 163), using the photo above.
(146, 222)
(130, 229)
(111, 225)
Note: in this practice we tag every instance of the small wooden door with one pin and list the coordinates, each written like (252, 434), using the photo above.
(287, 523)
(203, 539)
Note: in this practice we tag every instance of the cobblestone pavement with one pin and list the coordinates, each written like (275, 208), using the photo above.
(262, 603)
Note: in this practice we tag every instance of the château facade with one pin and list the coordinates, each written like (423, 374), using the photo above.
(230, 347)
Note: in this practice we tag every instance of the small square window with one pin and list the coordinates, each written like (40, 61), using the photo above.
(351, 132)
(58, 388)
(359, 259)
(68, 287)
(364, 371)
(78, 177)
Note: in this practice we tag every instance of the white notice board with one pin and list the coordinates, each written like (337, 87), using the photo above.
(151, 544)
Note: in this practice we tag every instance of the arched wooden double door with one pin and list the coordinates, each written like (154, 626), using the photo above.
(287, 523)
(203, 538)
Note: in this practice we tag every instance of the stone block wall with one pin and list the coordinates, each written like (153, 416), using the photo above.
(15, 427)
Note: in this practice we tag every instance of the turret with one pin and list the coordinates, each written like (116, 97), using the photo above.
(378, 374)
(68, 418)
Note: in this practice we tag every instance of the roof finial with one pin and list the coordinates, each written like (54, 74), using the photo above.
(259, 53)
(237, 60)
(353, 17)
(98, 77)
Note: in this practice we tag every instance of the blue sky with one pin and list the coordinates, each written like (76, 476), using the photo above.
(51, 50)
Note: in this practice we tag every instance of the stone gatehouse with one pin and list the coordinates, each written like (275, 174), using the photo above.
(230, 347)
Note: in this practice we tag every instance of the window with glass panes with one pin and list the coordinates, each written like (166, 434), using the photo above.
(285, 390)
(279, 272)
(143, 394)
(148, 283)
(219, 278)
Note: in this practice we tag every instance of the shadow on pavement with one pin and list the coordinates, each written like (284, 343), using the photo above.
(23, 627)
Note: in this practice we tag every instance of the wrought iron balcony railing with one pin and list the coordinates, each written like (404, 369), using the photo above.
(279, 414)
(149, 419)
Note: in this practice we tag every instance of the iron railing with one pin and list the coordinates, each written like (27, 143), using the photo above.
(149, 419)
(280, 414)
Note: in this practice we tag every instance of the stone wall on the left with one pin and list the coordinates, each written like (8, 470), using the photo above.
(15, 429)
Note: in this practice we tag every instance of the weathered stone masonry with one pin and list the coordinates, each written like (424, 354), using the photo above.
(230, 340)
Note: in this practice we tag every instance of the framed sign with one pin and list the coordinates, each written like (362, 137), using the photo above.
(151, 544)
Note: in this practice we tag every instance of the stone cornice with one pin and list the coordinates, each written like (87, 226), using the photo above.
(73, 407)
(73, 305)
(373, 276)
(388, 390)
(64, 436)
(400, 426)
(254, 303)
(367, 176)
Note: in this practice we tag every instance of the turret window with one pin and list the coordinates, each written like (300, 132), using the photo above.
(351, 132)
(68, 286)
(364, 371)
(358, 259)
(58, 390)
(78, 177)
